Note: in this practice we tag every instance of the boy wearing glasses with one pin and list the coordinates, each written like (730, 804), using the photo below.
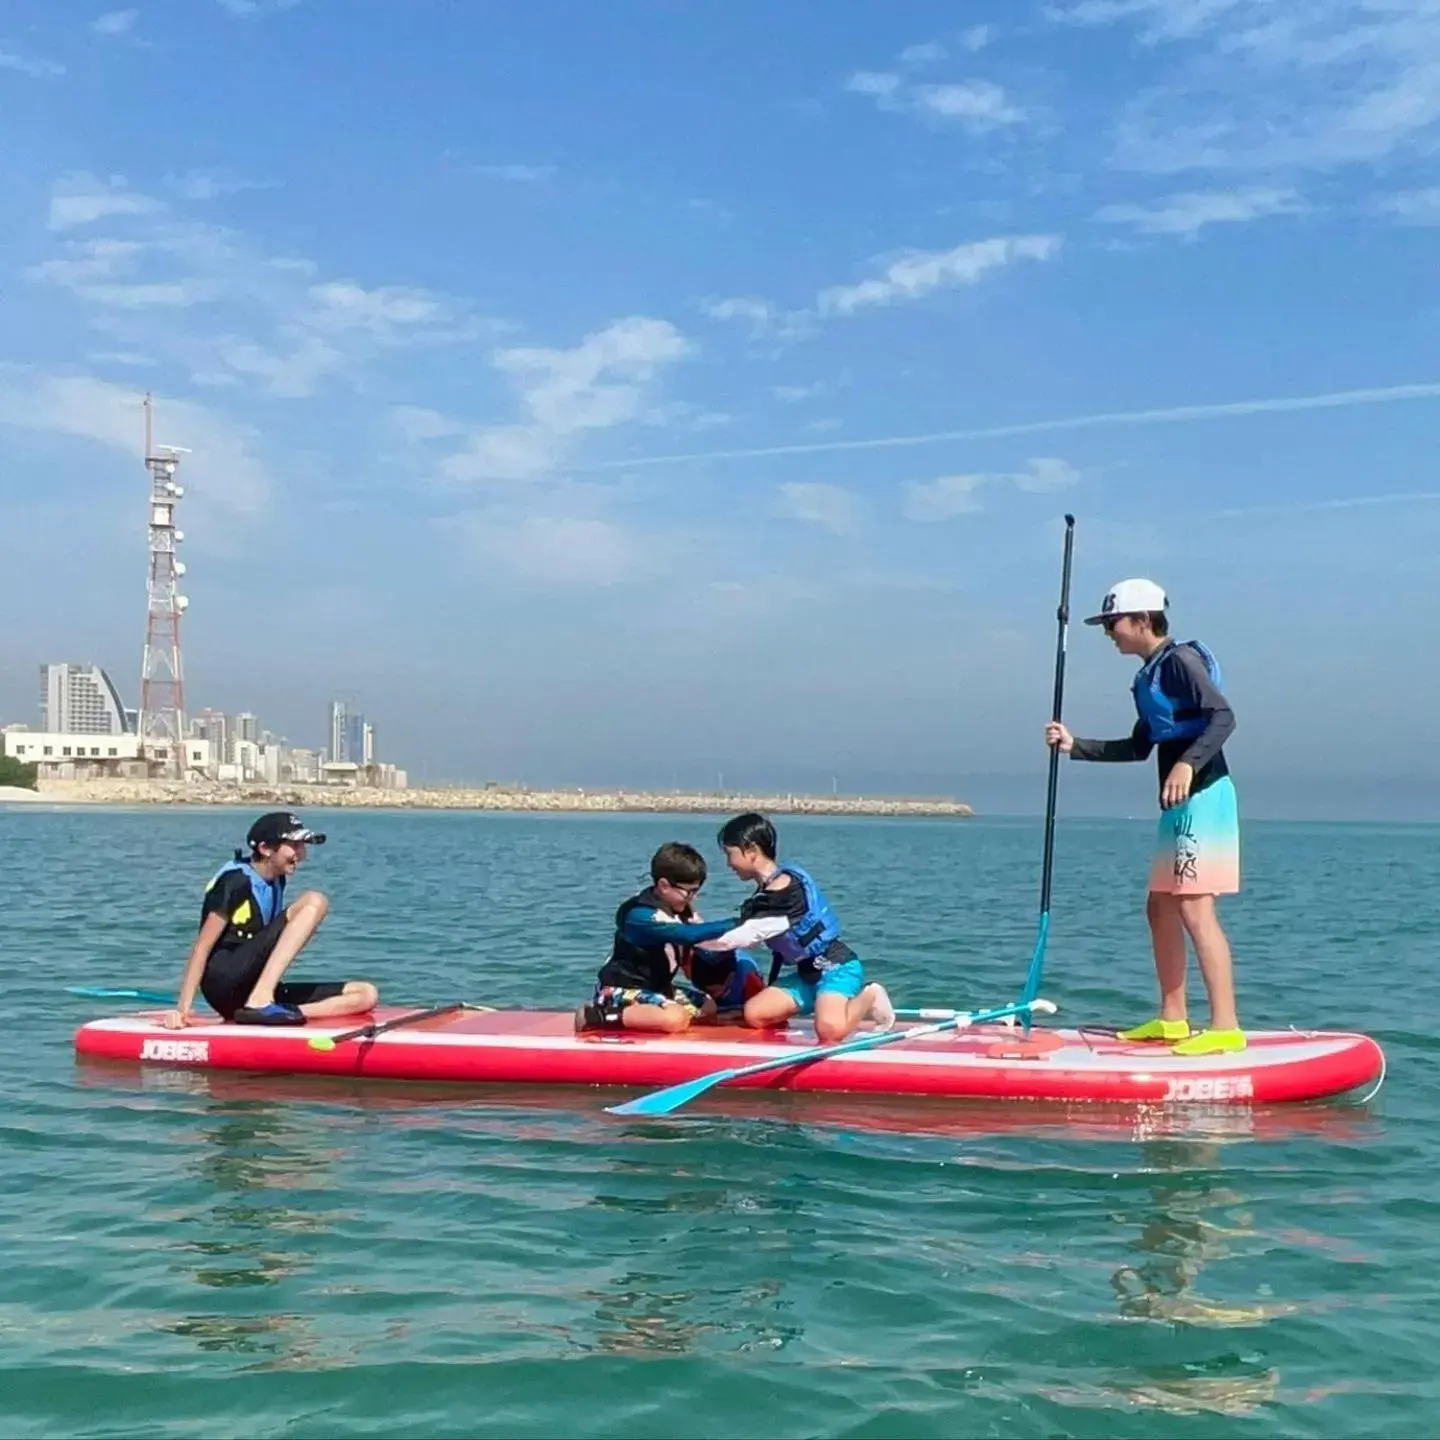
(647, 983)
(1185, 718)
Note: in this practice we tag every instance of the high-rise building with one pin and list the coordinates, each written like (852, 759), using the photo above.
(79, 700)
(339, 750)
(214, 726)
(247, 727)
(359, 740)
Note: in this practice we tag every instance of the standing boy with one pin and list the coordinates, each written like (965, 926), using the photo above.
(1184, 716)
(644, 984)
(813, 971)
(249, 937)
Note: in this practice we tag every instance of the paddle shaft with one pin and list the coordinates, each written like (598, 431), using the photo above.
(663, 1101)
(1047, 869)
(366, 1032)
(1062, 619)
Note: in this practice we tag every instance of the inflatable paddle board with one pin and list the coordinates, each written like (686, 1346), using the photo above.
(536, 1047)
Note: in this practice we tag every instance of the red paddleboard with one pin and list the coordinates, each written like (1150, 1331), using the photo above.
(536, 1047)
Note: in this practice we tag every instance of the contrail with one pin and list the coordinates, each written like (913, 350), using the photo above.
(1334, 400)
(1350, 502)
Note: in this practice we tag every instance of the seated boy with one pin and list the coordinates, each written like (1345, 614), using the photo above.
(249, 937)
(813, 972)
(644, 985)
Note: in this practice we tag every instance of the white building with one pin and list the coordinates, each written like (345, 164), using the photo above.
(79, 700)
(61, 755)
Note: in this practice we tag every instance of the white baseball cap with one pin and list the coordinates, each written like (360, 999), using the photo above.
(1130, 597)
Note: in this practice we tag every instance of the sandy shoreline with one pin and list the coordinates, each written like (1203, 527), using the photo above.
(152, 792)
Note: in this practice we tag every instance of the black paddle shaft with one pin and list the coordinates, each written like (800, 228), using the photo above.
(1062, 618)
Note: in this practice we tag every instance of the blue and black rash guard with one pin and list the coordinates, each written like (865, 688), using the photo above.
(1181, 674)
(650, 943)
(767, 914)
(246, 899)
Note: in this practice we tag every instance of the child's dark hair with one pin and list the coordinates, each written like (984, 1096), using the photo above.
(678, 863)
(1159, 622)
(750, 829)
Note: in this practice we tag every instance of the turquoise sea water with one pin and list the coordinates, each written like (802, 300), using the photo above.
(193, 1255)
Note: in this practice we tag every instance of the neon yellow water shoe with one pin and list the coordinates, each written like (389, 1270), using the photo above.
(1167, 1030)
(1211, 1042)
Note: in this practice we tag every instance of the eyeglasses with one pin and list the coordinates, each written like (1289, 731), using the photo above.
(688, 891)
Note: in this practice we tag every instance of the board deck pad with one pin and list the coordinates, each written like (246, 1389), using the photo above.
(539, 1047)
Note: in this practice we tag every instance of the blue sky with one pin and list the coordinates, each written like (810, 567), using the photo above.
(644, 391)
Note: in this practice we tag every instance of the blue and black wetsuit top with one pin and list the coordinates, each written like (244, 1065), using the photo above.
(1182, 715)
(812, 943)
(639, 958)
(248, 901)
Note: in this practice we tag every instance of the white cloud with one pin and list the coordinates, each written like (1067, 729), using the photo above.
(211, 184)
(115, 22)
(599, 384)
(221, 471)
(1412, 207)
(930, 501)
(872, 82)
(252, 9)
(831, 507)
(28, 65)
(290, 374)
(977, 105)
(977, 37)
(419, 424)
(765, 321)
(384, 312)
(794, 394)
(923, 54)
(270, 319)
(79, 199)
(918, 272)
(1046, 473)
(1249, 85)
(119, 357)
(933, 501)
(1187, 214)
(520, 174)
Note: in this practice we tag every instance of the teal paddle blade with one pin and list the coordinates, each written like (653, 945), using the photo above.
(662, 1102)
(97, 992)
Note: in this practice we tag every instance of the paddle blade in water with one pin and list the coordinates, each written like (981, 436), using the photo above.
(96, 992)
(662, 1102)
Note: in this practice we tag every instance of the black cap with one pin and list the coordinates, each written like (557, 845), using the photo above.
(278, 826)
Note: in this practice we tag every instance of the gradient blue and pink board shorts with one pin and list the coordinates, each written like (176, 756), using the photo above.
(1197, 848)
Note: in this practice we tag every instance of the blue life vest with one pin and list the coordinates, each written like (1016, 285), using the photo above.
(809, 937)
(268, 897)
(1162, 717)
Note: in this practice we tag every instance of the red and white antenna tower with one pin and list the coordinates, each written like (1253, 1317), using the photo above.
(161, 722)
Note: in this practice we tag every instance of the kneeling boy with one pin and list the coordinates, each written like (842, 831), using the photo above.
(813, 971)
(643, 985)
(249, 937)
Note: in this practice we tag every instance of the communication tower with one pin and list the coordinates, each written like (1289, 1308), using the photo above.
(161, 722)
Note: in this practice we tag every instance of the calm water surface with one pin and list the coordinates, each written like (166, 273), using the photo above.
(197, 1255)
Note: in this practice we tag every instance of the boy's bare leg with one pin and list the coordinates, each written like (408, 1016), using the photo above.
(1167, 937)
(302, 919)
(1212, 949)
